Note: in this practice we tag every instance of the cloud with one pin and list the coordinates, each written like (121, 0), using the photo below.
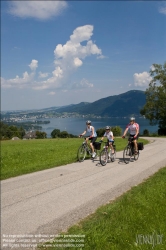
(142, 79)
(52, 93)
(43, 75)
(152, 67)
(68, 58)
(162, 9)
(18, 82)
(83, 84)
(41, 10)
(33, 65)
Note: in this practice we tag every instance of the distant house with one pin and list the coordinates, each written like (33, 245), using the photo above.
(30, 135)
(15, 138)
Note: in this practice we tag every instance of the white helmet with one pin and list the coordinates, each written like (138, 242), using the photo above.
(107, 127)
(88, 122)
(132, 119)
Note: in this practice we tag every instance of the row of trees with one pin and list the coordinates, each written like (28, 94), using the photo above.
(56, 133)
(117, 131)
(8, 132)
(155, 108)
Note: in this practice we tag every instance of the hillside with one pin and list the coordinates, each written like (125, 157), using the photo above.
(118, 105)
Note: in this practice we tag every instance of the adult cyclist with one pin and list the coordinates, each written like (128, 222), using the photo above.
(92, 136)
(133, 127)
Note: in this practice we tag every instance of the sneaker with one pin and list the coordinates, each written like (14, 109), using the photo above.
(94, 154)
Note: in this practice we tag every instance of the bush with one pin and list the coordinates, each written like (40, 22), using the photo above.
(146, 132)
(117, 131)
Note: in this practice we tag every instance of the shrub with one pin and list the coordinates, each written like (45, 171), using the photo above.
(146, 132)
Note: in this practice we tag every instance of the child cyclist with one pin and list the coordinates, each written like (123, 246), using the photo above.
(92, 136)
(110, 137)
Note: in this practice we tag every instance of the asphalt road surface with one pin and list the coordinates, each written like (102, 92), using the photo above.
(45, 203)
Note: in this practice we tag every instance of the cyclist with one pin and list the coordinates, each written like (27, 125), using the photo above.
(134, 132)
(110, 137)
(92, 136)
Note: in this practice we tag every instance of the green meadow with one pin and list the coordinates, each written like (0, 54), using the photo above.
(27, 156)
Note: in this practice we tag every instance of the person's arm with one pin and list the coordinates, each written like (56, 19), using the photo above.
(125, 132)
(83, 133)
(137, 131)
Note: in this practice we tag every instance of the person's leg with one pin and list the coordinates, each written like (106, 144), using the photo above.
(111, 146)
(92, 147)
(135, 145)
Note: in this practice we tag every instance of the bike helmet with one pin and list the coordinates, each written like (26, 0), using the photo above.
(88, 122)
(132, 119)
(107, 127)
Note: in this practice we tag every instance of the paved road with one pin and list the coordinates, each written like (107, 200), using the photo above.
(49, 201)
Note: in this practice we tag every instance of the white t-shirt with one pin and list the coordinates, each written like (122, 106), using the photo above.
(89, 131)
(133, 127)
(109, 135)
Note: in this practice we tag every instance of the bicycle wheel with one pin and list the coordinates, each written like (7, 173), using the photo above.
(136, 156)
(81, 153)
(127, 154)
(103, 157)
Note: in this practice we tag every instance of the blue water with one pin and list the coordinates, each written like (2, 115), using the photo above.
(76, 126)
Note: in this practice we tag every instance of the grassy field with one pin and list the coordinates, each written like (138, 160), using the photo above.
(134, 221)
(27, 156)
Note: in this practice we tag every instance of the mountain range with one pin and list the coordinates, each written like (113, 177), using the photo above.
(125, 104)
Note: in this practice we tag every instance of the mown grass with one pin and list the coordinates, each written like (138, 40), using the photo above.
(134, 221)
(27, 156)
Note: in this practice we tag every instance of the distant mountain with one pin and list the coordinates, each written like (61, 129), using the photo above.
(125, 104)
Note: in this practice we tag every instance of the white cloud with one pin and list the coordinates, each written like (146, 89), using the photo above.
(77, 62)
(152, 68)
(33, 65)
(52, 93)
(68, 58)
(18, 82)
(162, 9)
(43, 75)
(142, 79)
(41, 10)
(83, 84)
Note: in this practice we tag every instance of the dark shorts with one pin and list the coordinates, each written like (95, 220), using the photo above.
(93, 139)
(132, 136)
(108, 142)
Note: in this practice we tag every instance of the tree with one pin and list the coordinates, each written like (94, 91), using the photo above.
(55, 133)
(41, 135)
(146, 132)
(117, 131)
(155, 108)
(64, 134)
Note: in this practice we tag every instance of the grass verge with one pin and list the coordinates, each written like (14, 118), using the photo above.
(27, 156)
(135, 221)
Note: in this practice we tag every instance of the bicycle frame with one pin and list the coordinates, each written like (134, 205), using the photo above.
(129, 151)
(87, 147)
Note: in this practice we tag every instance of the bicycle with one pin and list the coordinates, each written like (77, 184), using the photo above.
(106, 155)
(129, 151)
(85, 150)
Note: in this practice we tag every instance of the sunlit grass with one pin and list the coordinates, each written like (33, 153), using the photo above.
(26, 156)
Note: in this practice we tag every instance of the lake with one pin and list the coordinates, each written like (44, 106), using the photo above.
(76, 126)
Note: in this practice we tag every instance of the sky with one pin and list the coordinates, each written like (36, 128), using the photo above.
(56, 53)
